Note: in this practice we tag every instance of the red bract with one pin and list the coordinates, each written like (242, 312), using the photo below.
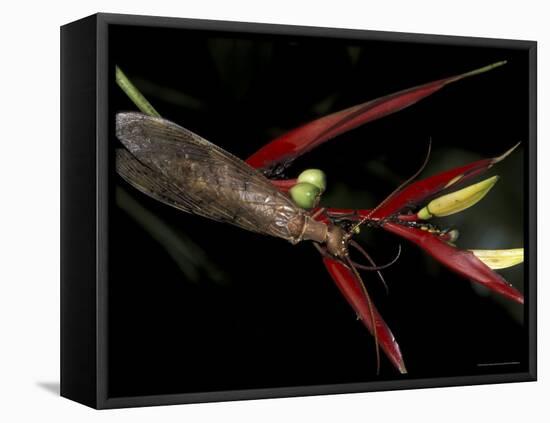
(304, 138)
(462, 262)
(419, 191)
(352, 291)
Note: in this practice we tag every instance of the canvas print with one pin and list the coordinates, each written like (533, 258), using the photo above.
(299, 211)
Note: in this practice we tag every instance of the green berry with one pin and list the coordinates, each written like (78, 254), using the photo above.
(305, 195)
(314, 176)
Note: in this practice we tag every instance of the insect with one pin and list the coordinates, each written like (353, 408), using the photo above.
(181, 169)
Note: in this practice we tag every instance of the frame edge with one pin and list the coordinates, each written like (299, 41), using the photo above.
(78, 212)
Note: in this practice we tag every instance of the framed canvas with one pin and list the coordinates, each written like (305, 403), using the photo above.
(255, 211)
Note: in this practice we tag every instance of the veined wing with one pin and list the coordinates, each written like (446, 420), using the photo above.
(157, 186)
(181, 169)
(149, 182)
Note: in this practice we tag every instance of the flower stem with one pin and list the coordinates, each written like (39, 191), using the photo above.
(134, 94)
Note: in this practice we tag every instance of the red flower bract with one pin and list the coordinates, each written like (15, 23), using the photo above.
(419, 191)
(306, 137)
(462, 262)
(351, 290)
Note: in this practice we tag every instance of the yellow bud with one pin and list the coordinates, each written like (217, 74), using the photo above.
(460, 200)
(500, 259)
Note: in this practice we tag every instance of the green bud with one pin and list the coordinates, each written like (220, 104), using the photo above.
(305, 195)
(424, 214)
(314, 176)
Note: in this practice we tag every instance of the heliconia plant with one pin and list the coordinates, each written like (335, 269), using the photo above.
(407, 212)
(400, 219)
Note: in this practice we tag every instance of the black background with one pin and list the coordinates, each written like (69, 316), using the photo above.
(199, 306)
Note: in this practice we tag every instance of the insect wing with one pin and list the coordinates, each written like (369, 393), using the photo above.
(151, 183)
(181, 169)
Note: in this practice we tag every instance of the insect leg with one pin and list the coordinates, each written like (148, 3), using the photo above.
(323, 251)
(318, 212)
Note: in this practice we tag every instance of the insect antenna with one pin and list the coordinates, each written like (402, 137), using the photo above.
(352, 267)
(393, 193)
(374, 266)
(350, 264)
(322, 251)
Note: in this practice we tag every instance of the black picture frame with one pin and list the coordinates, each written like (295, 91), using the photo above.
(85, 220)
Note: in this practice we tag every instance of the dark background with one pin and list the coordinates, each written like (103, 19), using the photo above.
(198, 306)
